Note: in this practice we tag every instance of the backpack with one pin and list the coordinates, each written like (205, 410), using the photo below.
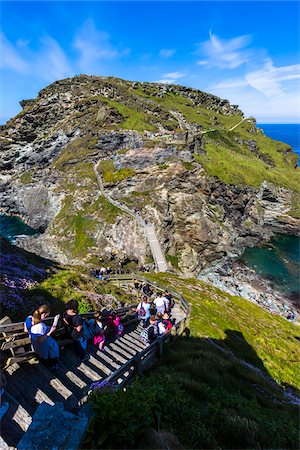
(142, 311)
(167, 323)
(144, 335)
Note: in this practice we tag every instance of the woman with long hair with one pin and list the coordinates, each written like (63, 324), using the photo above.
(43, 344)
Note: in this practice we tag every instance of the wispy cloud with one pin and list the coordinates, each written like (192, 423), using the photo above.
(10, 57)
(268, 93)
(270, 80)
(171, 77)
(224, 53)
(95, 47)
(51, 62)
(167, 52)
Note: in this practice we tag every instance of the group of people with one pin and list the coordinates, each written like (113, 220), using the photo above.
(80, 331)
(147, 268)
(155, 311)
(101, 273)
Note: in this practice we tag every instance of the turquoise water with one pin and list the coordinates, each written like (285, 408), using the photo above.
(12, 227)
(278, 261)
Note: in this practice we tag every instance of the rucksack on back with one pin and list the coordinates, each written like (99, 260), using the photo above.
(142, 311)
(167, 324)
(144, 333)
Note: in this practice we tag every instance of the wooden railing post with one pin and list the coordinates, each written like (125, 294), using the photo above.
(160, 347)
(138, 368)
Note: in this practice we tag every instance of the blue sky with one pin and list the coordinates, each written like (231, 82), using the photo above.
(246, 52)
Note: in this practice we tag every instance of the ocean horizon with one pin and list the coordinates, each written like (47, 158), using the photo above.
(284, 132)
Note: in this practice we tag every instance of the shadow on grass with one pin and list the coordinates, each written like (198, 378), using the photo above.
(209, 393)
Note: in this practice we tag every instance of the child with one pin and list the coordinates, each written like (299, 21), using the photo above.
(114, 324)
(98, 330)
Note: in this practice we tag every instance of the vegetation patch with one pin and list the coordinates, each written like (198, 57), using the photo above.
(106, 210)
(188, 165)
(112, 175)
(245, 169)
(133, 119)
(26, 178)
(173, 259)
(82, 241)
(78, 150)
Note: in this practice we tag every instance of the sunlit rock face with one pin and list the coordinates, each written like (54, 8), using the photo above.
(164, 151)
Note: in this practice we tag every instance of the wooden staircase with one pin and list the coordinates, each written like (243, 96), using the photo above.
(30, 384)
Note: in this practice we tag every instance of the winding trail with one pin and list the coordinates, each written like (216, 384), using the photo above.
(149, 230)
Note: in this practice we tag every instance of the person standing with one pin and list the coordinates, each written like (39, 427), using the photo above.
(143, 310)
(159, 304)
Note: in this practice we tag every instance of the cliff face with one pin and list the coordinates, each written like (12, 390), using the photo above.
(167, 151)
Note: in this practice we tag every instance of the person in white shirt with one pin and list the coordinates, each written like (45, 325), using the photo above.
(143, 310)
(43, 344)
(159, 304)
(161, 328)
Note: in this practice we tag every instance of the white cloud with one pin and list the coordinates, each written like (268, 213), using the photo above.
(167, 52)
(51, 62)
(171, 77)
(224, 53)
(94, 47)
(269, 79)
(268, 93)
(10, 57)
(174, 75)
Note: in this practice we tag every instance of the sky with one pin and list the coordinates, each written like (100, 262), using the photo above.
(246, 52)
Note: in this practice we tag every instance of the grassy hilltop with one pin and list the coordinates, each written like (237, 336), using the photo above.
(225, 385)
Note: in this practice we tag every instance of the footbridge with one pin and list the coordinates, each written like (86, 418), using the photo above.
(56, 402)
(149, 230)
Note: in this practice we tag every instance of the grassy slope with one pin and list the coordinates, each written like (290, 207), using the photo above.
(203, 389)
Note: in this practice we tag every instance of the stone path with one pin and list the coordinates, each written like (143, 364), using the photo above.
(155, 247)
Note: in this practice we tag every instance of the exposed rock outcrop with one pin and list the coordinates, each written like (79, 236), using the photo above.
(154, 143)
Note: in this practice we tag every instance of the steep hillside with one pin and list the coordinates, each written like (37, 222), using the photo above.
(188, 161)
(231, 382)
(27, 281)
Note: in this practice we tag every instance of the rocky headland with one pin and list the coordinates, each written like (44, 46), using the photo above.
(189, 162)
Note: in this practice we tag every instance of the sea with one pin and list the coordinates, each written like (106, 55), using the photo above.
(278, 260)
(12, 227)
(284, 132)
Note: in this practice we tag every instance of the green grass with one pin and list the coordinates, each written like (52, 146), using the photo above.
(245, 169)
(221, 386)
(112, 175)
(106, 210)
(271, 338)
(26, 178)
(173, 259)
(133, 119)
(82, 241)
